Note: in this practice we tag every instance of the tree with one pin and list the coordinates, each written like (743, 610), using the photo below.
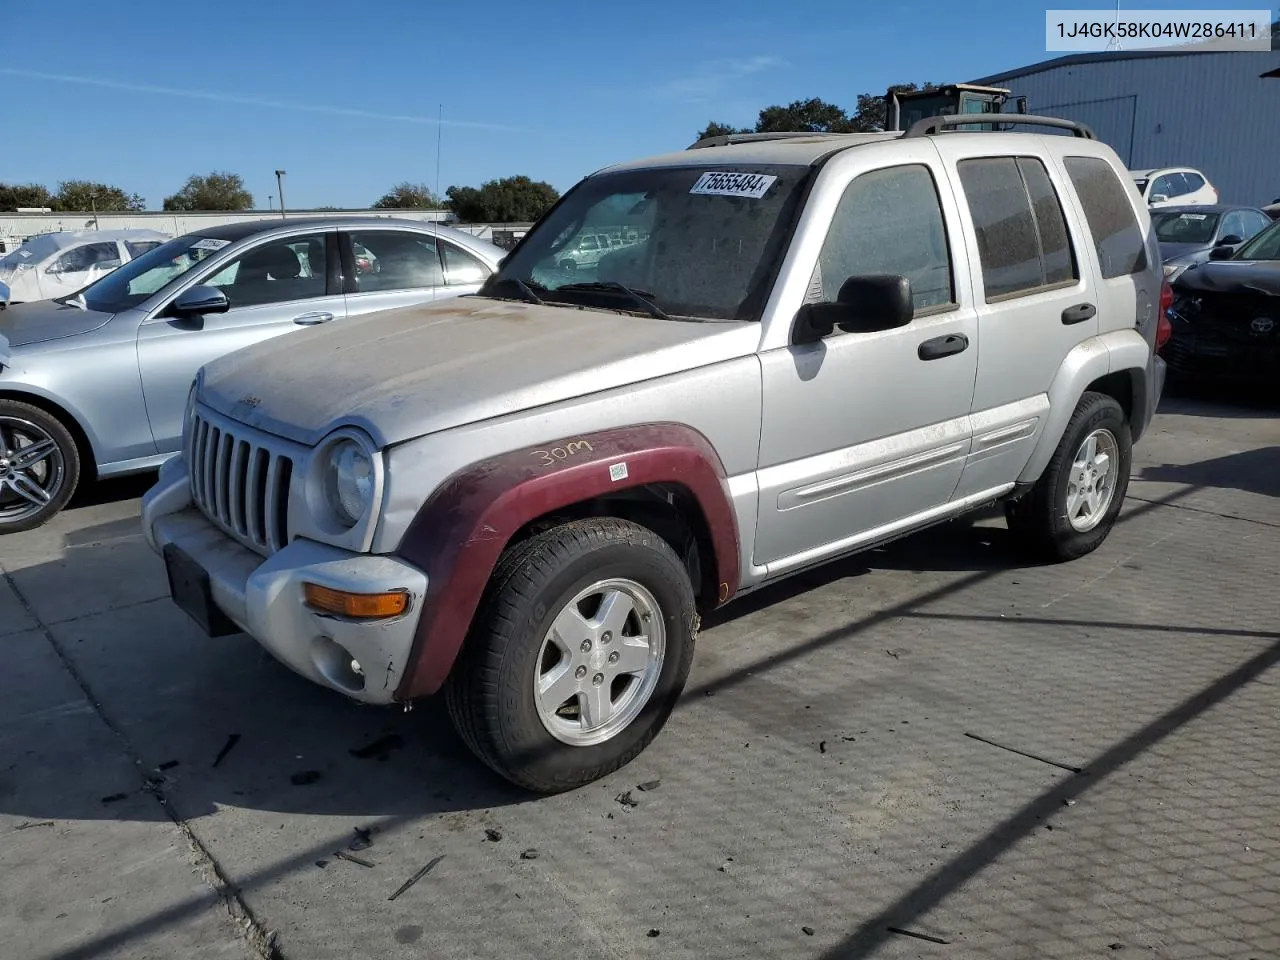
(408, 196)
(15, 195)
(214, 191)
(509, 200)
(804, 116)
(83, 195)
(715, 129)
(818, 116)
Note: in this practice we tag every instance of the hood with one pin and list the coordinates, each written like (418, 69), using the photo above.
(1183, 252)
(1233, 276)
(45, 320)
(406, 373)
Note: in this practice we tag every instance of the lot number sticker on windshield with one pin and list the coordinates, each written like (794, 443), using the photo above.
(753, 185)
(1194, 216)
(209, 243)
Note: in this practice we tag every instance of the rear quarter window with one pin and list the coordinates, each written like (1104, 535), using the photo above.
(1117, 238)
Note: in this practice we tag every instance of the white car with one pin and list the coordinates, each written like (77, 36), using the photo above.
(57, 264)
(1174, 187)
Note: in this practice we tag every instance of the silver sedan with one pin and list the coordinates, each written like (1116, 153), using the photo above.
(95, 384)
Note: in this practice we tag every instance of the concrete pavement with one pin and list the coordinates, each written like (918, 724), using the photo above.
(924, 751)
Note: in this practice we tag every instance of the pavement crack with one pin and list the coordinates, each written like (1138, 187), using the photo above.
(1024, 753)
(1208, 513)
(255, 935)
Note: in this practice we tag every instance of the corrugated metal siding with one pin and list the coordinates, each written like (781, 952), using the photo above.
(1212, 111)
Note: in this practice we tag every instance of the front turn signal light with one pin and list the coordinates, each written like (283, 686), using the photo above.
(364, 606)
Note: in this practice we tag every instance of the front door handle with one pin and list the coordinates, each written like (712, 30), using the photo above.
(1079, 313)
(311, 319)
(943, 346)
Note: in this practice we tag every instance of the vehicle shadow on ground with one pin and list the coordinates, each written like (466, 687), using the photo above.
(112, 490)
(1251, 471)
(1218, 401)
(218, 722)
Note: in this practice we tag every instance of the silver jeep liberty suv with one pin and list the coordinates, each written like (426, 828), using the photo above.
(524, 499)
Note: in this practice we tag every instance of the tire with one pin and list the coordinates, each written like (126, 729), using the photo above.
(32, 493)
(491, 693)
(1039, 520)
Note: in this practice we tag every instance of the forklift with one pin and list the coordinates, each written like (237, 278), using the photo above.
(904, 109)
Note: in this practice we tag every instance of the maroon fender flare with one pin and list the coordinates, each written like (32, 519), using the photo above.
(460, 532)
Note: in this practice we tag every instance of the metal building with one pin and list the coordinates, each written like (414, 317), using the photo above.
(1216, 111)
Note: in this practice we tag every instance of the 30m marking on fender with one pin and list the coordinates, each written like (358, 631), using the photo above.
(549, 458)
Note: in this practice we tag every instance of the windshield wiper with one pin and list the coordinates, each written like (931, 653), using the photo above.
(525, 291)
(641, 297)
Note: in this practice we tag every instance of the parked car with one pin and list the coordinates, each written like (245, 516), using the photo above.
(56, 264)
(1187, 234)
(1226, 317)
(527, 499)
(1174, 186)
(95, 384)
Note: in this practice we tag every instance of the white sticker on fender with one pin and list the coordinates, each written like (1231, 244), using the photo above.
(209, 243)
(618, 471)
(752, 185)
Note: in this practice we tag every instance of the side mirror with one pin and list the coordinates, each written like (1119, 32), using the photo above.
(53, 269)
(199, 300)
(1230, 240)
(864, 305)
(1159, 197)
(1222, 251)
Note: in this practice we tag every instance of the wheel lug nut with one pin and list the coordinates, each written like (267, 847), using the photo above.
(586, 646)
(607, 637)
(613, 657)
(580, 672)
(598, 679)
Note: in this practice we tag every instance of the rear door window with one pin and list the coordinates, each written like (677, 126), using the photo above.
(1193, 181)
(1022, 234)
(1114, 227)
(401, 261)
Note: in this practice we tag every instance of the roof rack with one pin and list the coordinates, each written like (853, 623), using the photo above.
(931, 125)
(726, 139)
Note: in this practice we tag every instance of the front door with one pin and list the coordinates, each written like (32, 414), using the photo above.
(864, 430)
(76, 268)
(276, 287)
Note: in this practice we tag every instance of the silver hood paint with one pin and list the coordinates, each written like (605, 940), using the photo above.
(407, 373)
(45, 320)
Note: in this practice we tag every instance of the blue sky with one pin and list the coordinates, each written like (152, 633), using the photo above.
(344, 96)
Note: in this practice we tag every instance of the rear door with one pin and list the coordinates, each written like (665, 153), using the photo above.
(276, 286)
(1033, 295)
(397, 268)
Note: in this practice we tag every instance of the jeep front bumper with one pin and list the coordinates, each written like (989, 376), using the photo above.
(362, 658)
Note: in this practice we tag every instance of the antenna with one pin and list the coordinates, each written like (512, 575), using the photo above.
(435, 223)
(1114, 44)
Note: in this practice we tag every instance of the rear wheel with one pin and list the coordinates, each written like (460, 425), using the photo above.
(1073, 506)
(579, 652)
(39, 466)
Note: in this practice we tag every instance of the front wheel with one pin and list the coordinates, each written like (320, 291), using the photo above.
(1074, 504)
(579, 652)
(39, 466)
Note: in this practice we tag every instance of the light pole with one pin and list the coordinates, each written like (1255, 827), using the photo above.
(280, 188)
(93, 205)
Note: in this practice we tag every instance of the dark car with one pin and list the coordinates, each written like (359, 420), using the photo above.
(1188, 234)
(1226, 316)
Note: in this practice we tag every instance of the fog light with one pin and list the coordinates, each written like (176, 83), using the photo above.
(356, 605)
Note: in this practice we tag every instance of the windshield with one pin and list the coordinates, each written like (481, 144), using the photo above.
(1185, 227)
(693, 242)
(138, 279)
(33, 251)
(1263, 246)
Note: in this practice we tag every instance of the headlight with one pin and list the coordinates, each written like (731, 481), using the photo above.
(1173, 270)
(348, 481)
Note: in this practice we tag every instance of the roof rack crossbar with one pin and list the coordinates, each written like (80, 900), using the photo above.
(728, 138)
(931, 125)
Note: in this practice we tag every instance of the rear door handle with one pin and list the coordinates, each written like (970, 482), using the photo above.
(311, 319)
(943, 346)
(1079, 313)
